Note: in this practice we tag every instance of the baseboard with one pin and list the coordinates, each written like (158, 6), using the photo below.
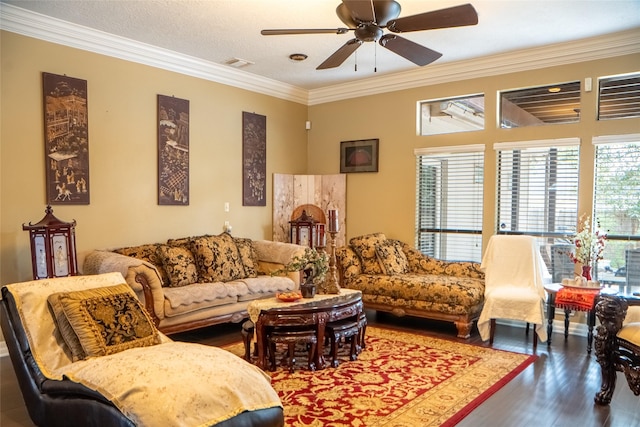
(575, 328)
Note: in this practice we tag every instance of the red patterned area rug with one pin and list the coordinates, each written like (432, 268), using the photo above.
(400, 380)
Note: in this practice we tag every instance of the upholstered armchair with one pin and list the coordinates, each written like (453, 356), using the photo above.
(617, 345)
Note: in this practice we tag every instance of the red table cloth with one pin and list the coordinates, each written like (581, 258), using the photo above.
(576, 298)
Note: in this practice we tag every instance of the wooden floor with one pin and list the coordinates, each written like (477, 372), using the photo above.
(556, 391)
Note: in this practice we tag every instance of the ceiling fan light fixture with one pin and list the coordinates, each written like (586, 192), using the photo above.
(369, 18)
(297, 57)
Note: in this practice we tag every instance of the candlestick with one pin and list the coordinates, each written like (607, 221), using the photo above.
(331, 284)
(321, 238)
(333, 223)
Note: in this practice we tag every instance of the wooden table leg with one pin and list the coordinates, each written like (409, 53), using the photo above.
(322, 323)
(261, 341)
(551, 313)
(567, 312)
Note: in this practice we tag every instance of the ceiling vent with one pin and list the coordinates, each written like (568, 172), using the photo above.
(238, 63)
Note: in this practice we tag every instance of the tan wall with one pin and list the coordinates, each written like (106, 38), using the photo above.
(122, 103)
(123, 155)
(385, 201)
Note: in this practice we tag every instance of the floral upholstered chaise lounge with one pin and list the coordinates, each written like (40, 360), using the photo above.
(397, 278)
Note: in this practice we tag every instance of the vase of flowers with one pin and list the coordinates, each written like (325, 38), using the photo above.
(314, 266)
(589, 246)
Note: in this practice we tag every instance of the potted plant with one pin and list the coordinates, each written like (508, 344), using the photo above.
(589, 246)
(314, 265)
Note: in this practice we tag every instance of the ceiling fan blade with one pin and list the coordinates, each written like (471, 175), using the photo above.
(281, 32)
(457, 16)
(414, 52)
(340, 55)
(359, 10)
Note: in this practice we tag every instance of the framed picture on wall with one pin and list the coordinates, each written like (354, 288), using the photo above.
(254, 159)
(66, 139)
(173, 151)
(359, 156)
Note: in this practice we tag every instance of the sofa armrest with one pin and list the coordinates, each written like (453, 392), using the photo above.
(420, 263)
(277, 252)
(348, 263)
(273, 256)
(141, 276)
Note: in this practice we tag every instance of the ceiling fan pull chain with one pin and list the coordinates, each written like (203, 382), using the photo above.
(375, 57)
(355, 68)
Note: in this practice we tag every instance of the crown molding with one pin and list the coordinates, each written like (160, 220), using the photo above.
(36, 25)
(611, 45)
(31, 24)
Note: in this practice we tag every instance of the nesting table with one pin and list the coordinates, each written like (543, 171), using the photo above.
(313, 313)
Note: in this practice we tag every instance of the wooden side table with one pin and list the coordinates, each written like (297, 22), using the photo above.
(552, 289)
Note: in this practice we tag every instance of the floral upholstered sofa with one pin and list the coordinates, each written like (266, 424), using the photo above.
(193, 282)
(397, 278)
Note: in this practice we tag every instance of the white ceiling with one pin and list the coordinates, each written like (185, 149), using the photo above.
(219, 30)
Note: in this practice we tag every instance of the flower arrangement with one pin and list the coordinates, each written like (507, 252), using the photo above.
(314, 263)
(589, 244)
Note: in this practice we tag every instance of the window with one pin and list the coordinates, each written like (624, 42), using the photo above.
(619, 97)
(543, 105)
(617, 210)
(452, 115)
(449, 202)
(538, 195)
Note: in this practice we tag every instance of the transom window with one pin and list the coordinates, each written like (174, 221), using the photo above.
(450, 115)
(619, 97)
(542, 105)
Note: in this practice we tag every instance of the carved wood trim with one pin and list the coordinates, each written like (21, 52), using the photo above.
(463, 322)
(148, 298)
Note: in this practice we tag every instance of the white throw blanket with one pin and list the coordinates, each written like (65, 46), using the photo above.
(176, 384)
(170, 384)
(514, 273)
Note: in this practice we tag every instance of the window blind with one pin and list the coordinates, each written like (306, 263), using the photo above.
(538, 196)
(449, 202)
(538, 189)
(619, 97)
(616, 208)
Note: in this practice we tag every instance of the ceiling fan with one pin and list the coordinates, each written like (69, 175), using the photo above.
(367, 19)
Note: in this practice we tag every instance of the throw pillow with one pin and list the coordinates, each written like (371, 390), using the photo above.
(148, 253)
(365, 247)
(180, 265)
(391, 257)
(107, 320)
(64, 327)
(217, 258)
(248, 256)
(182, 241)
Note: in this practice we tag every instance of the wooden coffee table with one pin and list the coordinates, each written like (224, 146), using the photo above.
(312, 313)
